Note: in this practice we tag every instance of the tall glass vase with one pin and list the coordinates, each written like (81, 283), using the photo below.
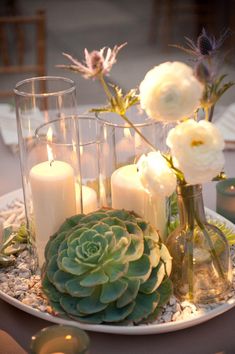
(201, 270)
(48, 173)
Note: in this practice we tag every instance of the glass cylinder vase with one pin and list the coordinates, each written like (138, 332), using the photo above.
(202, 268)
(120, 151)
(48, 173)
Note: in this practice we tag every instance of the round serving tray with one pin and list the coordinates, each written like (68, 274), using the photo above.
(118, 329)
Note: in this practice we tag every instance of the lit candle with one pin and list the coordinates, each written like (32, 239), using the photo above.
(60, 339)
(128, 193)
(53, 196)
(225, 198)
(89, 199)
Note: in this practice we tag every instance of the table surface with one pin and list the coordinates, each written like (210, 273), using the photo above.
(214, 336)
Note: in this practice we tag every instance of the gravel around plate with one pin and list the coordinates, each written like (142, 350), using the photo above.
(19, 282)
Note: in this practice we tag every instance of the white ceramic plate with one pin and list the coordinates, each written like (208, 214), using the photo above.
(128, 330)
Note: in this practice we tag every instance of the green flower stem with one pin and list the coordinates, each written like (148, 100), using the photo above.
(105, 86)
(206, 113)
(211, 113)
(190, 220)
(190, 265)
(207, 237)
(137, 131)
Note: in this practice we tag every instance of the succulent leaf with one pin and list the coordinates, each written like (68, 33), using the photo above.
(96, 277)
(74, 288)
(112, 291)
(130, 293)
(92, 304)
(145, 304)
(107, 266)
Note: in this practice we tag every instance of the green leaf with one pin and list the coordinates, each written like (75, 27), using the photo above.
(101, 228)
(69, 304)
(165, 291)
(48, 288)
(75, 234)
(166, 258)
(144, 306)
(74, 288)
(96, 277)
(6, 234)
(6, 261)
(91, 304)
(116, 270)
(53, 245)
(117, 314)
(112, 291)
(14, 248)
(130, 293)
(73, 267)
(58, 309)
(154, 280)
(70, 223)
(140, 269)
(136, 248)
(96, 318)
(59, 280)
(119, 232)
(52, 267)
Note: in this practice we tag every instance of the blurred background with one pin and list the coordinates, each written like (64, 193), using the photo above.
(148, 26)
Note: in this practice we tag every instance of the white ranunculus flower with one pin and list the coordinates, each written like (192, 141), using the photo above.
(197, 150)
(155, 174)
(170, 92)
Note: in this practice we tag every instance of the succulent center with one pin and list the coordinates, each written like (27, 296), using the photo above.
(90, 248)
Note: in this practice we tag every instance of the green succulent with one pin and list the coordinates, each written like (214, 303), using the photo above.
(13, 242)
(107, 266)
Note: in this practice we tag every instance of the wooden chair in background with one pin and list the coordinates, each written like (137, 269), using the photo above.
(16, 34)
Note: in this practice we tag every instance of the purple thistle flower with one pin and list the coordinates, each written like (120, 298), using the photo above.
(96, 62)
(206, 45)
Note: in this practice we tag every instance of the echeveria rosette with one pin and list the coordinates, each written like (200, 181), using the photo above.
(170, 92)
(108, 266)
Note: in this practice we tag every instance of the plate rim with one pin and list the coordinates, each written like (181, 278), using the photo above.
(143, 329)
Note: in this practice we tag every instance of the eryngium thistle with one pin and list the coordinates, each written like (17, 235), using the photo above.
(107, 266)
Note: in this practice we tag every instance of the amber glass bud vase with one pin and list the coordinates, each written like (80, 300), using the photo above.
(202, 267)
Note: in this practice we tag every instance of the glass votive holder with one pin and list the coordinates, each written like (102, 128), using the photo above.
(120, 151)
(225, 198)
(60, 339)
(48, 172)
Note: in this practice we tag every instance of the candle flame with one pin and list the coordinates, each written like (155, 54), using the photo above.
(127, 133)
(49, 149)
(68, 337)
(232, 188)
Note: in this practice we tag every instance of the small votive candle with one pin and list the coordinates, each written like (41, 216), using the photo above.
(60, 339)
(225, 198)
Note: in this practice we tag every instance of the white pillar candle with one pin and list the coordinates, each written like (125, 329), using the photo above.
(53, 196)
(128, 193)
(89, 199)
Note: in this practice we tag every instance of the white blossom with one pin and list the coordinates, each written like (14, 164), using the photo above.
(155, 174)
(197, 150)
(170, 92)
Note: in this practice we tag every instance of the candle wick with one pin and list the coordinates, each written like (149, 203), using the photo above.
(51, 162)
